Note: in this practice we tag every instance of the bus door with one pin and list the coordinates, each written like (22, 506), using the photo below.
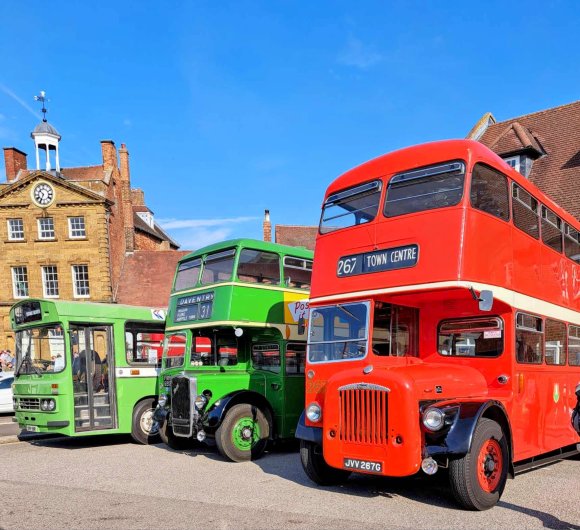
(293, 385)
(267, 366)
(93, 377)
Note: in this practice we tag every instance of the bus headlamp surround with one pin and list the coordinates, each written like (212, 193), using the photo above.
(47, 404)
(314, 412)
(200, 402)
(433, 419)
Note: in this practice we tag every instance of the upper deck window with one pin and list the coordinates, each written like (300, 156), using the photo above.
(489, 192)
(259, 267)
(471, 337)
(551, 229)
(187, 274)
(427, 188)
(525, 211)
(218, 267)
(351, 207)
(297, 272)
(572, 243)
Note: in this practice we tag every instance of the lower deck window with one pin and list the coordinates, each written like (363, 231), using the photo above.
(529, 339)
(471, 337)
(266, 357)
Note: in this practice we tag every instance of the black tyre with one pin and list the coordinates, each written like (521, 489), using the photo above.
(169, 439)
(244, 433)
(316, 467)
(144, 429)
(478, 479)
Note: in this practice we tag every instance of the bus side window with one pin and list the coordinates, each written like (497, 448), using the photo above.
(266, 357)
(574, 345)
(529, 339)
(489, 192)
(295, 355)
(143, 344)
(555, 346)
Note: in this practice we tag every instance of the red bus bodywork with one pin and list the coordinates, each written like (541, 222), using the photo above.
(372, 405)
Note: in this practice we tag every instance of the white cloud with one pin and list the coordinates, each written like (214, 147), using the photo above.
(192, 234)
(170, 224)
(19, 100)
(359, 55)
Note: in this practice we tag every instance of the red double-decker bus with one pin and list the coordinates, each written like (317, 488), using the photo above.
(444, 323)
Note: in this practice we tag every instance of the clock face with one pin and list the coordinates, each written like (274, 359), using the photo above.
(43, 194)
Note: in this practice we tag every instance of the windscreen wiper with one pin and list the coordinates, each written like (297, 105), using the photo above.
(348, 312)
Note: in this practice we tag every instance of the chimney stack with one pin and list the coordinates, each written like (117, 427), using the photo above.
(124, 168)
(14, 160)
(267, 226)
(109, 154)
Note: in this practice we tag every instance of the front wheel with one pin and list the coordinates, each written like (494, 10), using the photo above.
(316, 467)
(478, 479)
(243, 434)
(169, 439)
(144, 429)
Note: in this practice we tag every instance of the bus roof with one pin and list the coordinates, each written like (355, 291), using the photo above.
(434, 152)
(256, 244)
(94, 309)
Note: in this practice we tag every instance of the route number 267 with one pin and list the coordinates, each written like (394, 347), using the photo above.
(346, 266)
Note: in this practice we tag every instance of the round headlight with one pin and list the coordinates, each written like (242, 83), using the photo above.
(162, 400)
(314, 412)
(51, 404)
(43, 404)
(433, 419)
(200, 402)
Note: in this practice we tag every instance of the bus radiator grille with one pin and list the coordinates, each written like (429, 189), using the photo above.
(181, 405)
(28, 403)
(363, 415)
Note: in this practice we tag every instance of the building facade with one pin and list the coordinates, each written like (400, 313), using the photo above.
(72, 233)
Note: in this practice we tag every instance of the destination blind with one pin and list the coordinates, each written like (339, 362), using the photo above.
(378, 261)
(194, 307)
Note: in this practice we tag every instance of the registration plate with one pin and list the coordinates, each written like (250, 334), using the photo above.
(363, 465)
(32, 428)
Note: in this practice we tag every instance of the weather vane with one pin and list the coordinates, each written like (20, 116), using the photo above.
(42, 98)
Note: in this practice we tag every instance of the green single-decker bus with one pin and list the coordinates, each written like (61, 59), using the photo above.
(86, 368)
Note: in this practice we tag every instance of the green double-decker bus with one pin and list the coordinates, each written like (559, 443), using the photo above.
(85, 368)
(233, 362)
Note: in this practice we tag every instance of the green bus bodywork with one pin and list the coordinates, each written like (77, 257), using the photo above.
(86, 368)
(233, 362)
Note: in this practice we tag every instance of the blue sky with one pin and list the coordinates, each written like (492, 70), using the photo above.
(228, 108)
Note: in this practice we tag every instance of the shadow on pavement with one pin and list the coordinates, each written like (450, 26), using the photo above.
(283, 460)
(548, 520)
(84, 442)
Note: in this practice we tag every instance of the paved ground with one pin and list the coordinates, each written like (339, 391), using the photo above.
(7, 426)
(112, 483)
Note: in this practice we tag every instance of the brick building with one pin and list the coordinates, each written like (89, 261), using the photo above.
(292, 235)
(543, 146)
(77, 233)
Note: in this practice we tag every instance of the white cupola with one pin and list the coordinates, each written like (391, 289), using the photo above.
(46, 138)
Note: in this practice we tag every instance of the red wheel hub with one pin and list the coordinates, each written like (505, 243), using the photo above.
(489, 465)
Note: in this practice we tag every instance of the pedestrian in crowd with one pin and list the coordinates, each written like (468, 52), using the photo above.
(6, 360)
